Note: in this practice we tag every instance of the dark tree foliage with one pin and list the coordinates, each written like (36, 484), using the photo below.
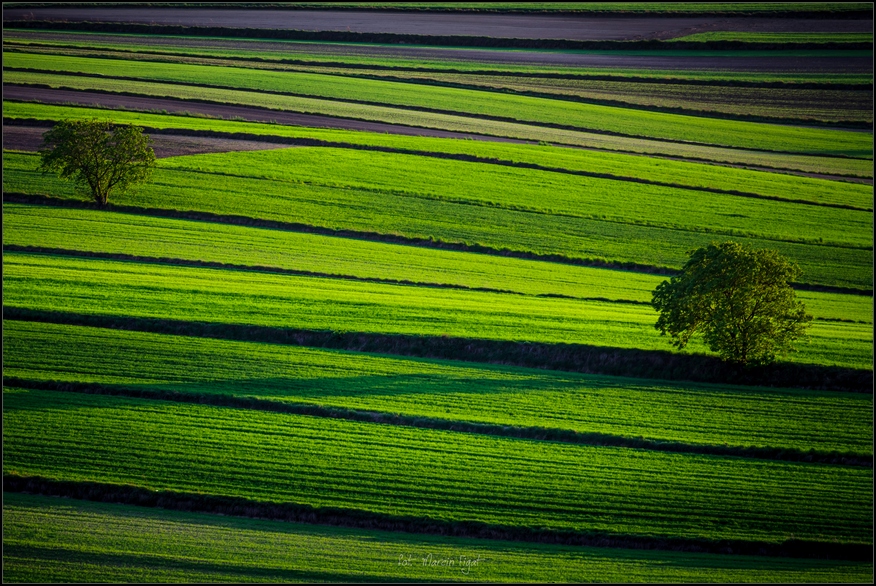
(99, 156)
(738, 298)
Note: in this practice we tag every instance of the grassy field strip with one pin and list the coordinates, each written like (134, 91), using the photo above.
(772, 37)
(683, 173)
(98, 542)
(361, 55)
(836, 166)
(137, 235)
(115, 288)
(632, 408)
(399, 213)
(542, 191)
(841, 105)
(636, 123)
(425, 473)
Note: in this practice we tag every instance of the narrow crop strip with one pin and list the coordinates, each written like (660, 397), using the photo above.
(242, 507)
(565, 357)
(513, 431)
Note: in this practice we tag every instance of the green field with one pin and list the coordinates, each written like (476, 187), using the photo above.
(430, 474)
(96, 542)
(330, 359)
(757, 37)
(627, 122)
(628, 408)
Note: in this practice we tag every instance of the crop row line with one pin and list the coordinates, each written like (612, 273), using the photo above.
(437, 243)
(243, 61)
(424, 422)
(536, 124)
(557, 356)
(302, 513)
(481, 72)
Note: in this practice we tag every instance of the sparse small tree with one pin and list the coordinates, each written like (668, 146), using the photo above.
(738, 298)
(98, 156)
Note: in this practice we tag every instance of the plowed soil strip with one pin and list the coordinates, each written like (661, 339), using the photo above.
(24, 138)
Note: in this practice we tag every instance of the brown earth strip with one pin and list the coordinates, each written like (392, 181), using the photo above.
(486, 57)
(242, 507)
(423, 422)
(565, 357)
(24, 138)
(582, 28)
(227, 112)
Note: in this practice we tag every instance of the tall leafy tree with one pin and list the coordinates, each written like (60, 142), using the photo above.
(98, 156)
(738, 298)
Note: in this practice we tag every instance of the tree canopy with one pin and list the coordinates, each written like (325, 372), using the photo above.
(99, 156)
(738, 298)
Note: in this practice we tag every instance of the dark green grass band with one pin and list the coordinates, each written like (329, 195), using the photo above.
(237, 506)
(566, 357)
(534, 433)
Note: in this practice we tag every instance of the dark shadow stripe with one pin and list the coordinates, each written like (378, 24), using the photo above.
(37, 199)
(650, 364)
(424, 422)
(301, 513)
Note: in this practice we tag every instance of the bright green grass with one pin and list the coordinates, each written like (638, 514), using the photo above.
(117, 288)
(115, 233)
(819, 105)
(330, 201)
(52, 540)
(853, 167)
(455, 59)
(426, 473)
(772, 37)
(632, 408)
(519, 108)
